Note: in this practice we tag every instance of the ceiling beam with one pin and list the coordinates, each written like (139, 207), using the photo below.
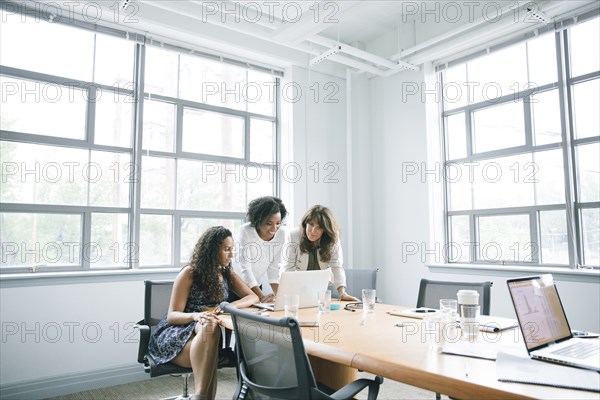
(453, 33)
(365, 55)
(320, 16)
(203, 13)
(483, 35)
(191, 10)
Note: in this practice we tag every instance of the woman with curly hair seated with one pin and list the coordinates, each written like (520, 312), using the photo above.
(189, 333)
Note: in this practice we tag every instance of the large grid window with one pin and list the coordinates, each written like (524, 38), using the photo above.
(118, 154)
(522, 152)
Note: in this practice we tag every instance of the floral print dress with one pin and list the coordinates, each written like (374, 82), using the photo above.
(168, 340)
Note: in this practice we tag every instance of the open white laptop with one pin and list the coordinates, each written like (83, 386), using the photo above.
(306, 284)
(544, 324)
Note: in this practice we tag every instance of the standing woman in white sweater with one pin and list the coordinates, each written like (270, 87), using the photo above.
(260, 242)
(316, 245)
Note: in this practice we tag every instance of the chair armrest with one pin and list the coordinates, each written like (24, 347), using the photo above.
(351, 389)
(144, 340)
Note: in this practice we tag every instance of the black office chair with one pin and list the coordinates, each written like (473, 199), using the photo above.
(273, 363)
(430, 293)
(156, 304)
(358, 279)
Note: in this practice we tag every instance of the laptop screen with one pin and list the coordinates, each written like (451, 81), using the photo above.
(539, 310)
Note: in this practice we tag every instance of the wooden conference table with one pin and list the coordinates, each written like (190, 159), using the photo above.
(343, 344)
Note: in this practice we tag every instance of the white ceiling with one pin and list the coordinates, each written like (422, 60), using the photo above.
(331, 34)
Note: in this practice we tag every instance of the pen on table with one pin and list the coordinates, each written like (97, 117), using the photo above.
(466, 369)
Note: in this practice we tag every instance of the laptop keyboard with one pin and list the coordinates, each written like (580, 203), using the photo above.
(579, 350)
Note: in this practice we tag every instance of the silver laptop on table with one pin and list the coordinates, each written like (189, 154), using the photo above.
(544, 325)
(306, 284)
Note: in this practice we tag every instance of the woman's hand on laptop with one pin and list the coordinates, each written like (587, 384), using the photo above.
(268, 298)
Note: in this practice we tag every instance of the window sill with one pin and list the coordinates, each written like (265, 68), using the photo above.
(584, 275)
(79, 277)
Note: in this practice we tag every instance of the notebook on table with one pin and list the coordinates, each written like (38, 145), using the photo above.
(544, 324)
(306, 284)
(512, 367)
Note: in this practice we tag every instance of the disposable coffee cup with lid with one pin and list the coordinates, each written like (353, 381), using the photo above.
(468, 297)
(468, 310)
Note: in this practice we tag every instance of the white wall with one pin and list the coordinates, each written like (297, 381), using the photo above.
(65, 329)
(333, 130)
(318, 146)
(399, 207)
(361, 222)
(61, 337)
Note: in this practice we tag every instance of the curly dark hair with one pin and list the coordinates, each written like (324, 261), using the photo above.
(205, 263)
(324, 218)
(260, 209)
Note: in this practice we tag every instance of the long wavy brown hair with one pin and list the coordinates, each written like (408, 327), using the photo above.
(324, 218)
(205, 263)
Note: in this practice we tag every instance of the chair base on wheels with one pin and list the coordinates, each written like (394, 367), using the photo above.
(185, 393)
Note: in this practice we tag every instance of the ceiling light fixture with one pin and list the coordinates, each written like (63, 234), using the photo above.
(534, 12)
(334, 50)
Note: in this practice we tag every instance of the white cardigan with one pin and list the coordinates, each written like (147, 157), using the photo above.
(294, 260)
(256, 256)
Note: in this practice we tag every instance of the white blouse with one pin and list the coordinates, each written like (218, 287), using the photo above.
(256, 256)
(294, 260)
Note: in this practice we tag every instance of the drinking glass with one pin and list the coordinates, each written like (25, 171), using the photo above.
(368, 300)
(434, 330)
(324, 301)
(291, 303)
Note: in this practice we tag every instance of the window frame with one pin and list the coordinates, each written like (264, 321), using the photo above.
(568, 146)
(135, 151)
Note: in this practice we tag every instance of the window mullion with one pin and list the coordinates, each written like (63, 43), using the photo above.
(474, 238)
(445, 188)
(277, 144)
(136, 187)
(535, 237)
(179, 130)
(528, 115)
(567, 129)
(176, 243)
(86, 248)
(92, 95)
(469, 132)
(247, 122)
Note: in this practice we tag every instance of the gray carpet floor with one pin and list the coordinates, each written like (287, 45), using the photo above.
(168, 386)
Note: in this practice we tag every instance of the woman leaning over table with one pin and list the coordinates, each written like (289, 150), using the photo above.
(189, 334)
(260, 242)
(316, 245)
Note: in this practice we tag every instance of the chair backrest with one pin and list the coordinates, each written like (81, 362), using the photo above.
(358, 279)
(272, 359)
(156, 300)
(430, 293)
